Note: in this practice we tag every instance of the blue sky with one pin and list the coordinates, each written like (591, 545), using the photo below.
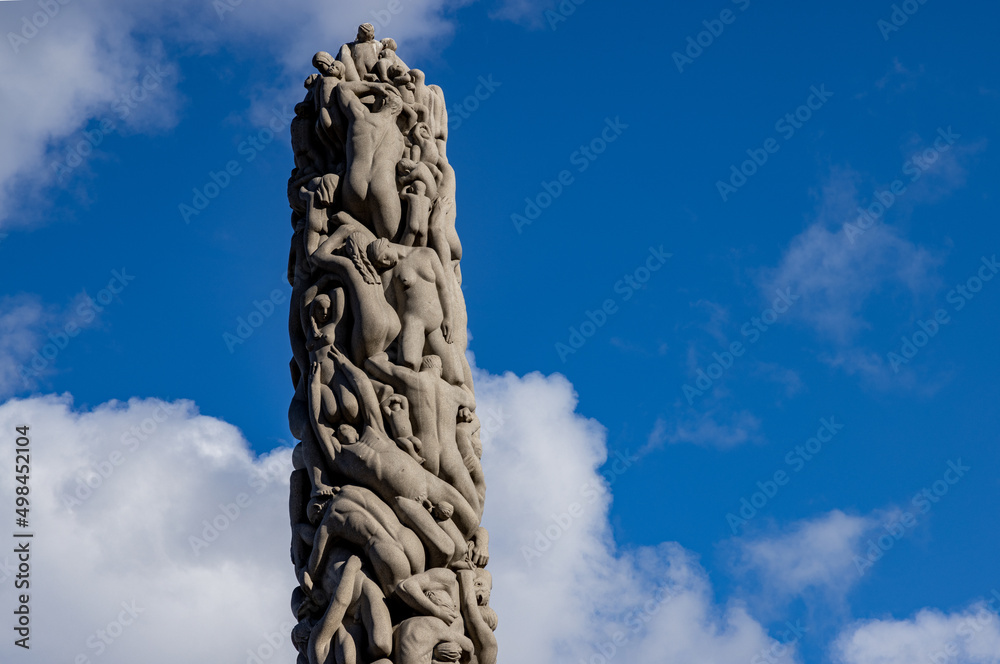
(599, 155)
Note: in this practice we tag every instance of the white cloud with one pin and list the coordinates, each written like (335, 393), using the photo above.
(971, 636)
(811, 556)
(834, 277)
(129, 539)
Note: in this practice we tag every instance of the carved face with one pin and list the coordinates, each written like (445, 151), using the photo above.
(483, 586)
(347, 435)
(335, 69)
(385, 258)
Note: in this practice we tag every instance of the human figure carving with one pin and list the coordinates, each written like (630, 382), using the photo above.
(435, 404)
(330, 122)
(420, 290)
(373, 461)
(356, 515)
(354, 596)
(360, 55)
(375, 321)
(449, 605)
(387, 490)
(374, 147)
(396, 412)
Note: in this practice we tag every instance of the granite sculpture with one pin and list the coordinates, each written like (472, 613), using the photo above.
(387, 491)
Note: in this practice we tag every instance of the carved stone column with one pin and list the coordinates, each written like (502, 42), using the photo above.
(387, 493)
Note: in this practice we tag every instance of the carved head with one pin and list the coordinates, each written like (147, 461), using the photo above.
(389, 44)
(328, 65)
(392, 100)
(321, 306)
(366, 32)
(431, 363)
(483, 587)
(382, 254)
(465, 415)
(421, 132)
(347, 435)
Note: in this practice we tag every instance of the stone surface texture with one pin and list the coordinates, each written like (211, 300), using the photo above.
(387, 491)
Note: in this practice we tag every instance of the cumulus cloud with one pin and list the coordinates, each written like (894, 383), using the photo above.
(156, 506)
(971, 636)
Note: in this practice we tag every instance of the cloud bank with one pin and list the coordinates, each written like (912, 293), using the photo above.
(160, 537)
